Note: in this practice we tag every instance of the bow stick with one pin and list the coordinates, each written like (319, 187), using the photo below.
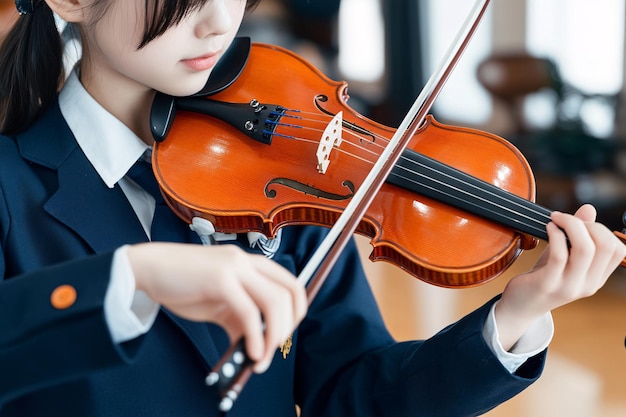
(235, 368)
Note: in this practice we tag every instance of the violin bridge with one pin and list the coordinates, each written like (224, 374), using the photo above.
(330, 138)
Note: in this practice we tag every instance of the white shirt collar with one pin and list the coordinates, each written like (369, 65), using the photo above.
(110, 146)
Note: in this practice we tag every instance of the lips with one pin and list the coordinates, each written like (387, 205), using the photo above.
(201, 63)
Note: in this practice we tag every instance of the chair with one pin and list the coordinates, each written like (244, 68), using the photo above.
(511, 77)
(567, 160)
(566, 147)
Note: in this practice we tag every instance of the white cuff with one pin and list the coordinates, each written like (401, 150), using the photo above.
(533, 341)
(129, 313)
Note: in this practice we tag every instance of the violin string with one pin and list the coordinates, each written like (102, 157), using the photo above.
(521, 208)
(525, 209)
(323, 120)
(317, 141)
(483, 190)
(488, 201)
(323, 123)
(491, 197)
(485, 198)
(451, 173)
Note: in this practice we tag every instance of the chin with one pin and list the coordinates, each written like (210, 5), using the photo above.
(181, 92)
(189, 85)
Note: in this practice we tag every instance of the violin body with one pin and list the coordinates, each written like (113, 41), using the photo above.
(207, 168)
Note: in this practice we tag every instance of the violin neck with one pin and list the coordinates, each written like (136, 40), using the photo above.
(430, 178)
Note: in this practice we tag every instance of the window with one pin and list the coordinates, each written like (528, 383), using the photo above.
(586, 40)
(462, 98)
(361, 40)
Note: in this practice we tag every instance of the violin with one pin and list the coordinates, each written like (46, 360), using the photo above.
(280, 146)
(274, 143)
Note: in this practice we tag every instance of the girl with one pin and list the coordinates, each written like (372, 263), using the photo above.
(96, 320)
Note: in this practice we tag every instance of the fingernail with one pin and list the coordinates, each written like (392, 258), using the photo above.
(261, 367)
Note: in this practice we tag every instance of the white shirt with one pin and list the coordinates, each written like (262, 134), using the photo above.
(112, 149)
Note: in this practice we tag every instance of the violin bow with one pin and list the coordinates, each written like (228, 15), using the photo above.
(235, 368)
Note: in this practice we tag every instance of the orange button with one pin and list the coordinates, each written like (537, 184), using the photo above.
(63, 296)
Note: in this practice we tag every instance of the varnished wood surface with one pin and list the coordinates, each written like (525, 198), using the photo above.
(282, 184)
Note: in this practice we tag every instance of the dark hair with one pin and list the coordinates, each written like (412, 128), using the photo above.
(165, 13)
(31, 58)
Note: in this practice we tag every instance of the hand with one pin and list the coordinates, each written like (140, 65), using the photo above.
(224, 285)
(562, 274)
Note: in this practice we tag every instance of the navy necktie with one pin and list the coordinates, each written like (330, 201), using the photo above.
(166, 226)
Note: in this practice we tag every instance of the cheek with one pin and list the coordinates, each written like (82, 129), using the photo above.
(158, 66)
(116, 37)
(121, 25)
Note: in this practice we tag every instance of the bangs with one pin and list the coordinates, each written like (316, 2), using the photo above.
(163, 14)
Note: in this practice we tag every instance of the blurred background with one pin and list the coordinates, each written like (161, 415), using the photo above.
(8, 15)
(547, 75)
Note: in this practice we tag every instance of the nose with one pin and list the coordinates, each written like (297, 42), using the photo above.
(214, 19)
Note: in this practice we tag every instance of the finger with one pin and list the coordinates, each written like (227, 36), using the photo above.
(582, 246)
(558, 251)
(246, 316)
(284, 278)
(618, 257)
(610, 252)
(274, 298)
(592, 254)
(586, 213)
(279, 322)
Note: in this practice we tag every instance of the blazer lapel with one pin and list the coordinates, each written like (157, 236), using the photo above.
(100, 215)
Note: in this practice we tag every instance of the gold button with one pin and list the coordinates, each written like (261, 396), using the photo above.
(63, 296)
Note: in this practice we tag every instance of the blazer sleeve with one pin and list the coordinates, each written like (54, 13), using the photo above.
(351, 366)
(41, 345)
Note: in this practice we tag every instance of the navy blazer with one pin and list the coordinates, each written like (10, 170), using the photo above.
(59, 224)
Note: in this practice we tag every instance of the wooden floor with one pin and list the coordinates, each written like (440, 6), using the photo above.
(585, 375)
